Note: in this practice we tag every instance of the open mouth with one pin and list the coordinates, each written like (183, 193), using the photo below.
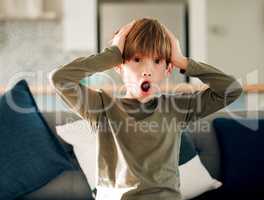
(145, 86)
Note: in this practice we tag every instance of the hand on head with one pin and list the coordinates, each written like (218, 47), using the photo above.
(120, 36)
(176, 53)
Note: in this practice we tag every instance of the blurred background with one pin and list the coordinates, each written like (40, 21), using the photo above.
(37, 36)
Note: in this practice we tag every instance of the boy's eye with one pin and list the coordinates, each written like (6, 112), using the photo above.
(157, 61)
(136, 59)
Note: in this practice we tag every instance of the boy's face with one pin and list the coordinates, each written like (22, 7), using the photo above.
(140, 70)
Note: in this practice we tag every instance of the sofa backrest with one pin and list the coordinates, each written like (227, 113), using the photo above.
(201, 131)
(205, 138)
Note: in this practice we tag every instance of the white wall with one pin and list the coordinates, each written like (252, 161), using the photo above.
(79, 25)
(198, 29)
(236, 42)
(236, 37)
(198, 32)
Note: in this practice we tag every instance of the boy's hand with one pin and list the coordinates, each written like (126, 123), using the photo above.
(178, 60)
(120, 36)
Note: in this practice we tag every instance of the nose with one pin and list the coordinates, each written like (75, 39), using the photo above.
(146, 74)
(147, 71)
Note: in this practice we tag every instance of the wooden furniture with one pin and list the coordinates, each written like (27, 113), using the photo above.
(185, 87)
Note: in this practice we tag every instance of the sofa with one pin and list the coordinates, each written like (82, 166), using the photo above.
(72, 185)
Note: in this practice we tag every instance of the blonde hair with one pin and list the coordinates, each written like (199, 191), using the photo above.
(147, 38)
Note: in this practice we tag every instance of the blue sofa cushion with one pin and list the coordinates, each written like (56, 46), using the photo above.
(30, 154)
(242, 150)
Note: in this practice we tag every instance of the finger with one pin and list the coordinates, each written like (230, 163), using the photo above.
(167, 30)
(116, 32)
(125, 29)
(164, 27)
(131, 23)
(128, 27)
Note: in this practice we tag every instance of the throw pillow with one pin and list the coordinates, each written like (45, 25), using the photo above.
(242, 146)
(30, 154)
(80, 136)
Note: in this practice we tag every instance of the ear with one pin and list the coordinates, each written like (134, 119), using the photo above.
(117, 68)
(169, 69)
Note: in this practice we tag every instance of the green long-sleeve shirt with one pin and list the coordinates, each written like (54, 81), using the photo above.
(138, 152)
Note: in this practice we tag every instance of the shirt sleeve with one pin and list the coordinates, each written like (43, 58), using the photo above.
(223, 90)
(81, 99)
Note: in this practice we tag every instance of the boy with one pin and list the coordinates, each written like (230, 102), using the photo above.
(137, 155)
